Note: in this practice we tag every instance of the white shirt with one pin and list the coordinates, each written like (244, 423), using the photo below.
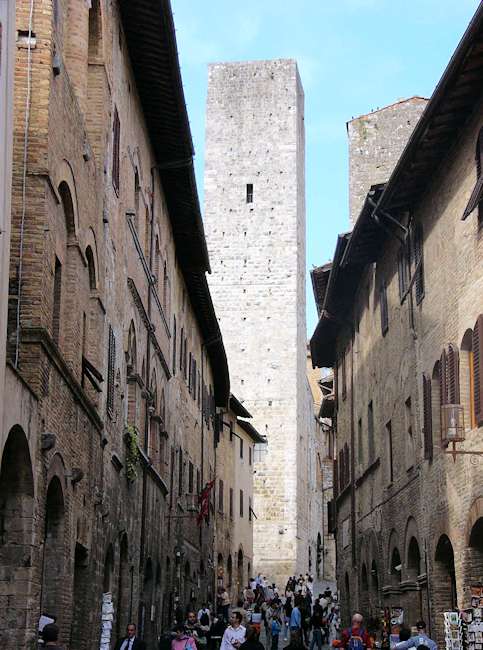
(127, 644)
(231, 635)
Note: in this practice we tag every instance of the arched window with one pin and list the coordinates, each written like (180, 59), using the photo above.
(374, 577)
(131, 376)
(54, 551)
(95, 31)
(364, 580)
(91, 267)
(467, 379)
(154, 424)
(137, 195)
(414, 559)
(396, 567)
(63, 293)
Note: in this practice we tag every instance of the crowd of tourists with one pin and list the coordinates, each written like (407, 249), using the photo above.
(296, 616)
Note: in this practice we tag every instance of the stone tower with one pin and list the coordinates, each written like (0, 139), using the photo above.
(376, 142)
(255, 226)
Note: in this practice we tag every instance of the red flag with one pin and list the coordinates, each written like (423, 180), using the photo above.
(204, 501)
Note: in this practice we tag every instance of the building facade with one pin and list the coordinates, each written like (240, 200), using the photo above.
(401, 326)
(238, 445)
(255, 224)
(115, 359)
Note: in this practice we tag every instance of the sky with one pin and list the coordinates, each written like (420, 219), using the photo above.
(353, 55)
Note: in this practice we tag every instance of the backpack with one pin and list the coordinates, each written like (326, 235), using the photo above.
(204, 619)
(356, 642)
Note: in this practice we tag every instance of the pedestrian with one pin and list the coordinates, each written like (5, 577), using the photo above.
(249, 594)
(217, 630)
(252, 642)
(318, 632)
(421, 639)
(275, 629)
(287, 614)
(356, 636)
(256, 620)
(296, 621)
(225, 603)
(181, 641)
(131, 641)
(240, 608)
(204, 615)
(50, 636)
(234, 634)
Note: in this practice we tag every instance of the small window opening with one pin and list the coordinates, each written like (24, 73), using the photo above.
(249, 193)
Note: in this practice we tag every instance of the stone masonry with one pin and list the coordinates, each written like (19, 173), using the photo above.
(376, 141)
(255, 224)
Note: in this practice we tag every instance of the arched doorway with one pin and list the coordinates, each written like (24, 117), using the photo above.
(16, 517)
(123, 609)
(145, 605)
(53, 579)
(396, 567)
(474, 572)
(364, 592)
(444, 576)
(81, 587)
(240, 577)
(414, 597)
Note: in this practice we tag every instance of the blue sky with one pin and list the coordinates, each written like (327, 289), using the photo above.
(353, 55)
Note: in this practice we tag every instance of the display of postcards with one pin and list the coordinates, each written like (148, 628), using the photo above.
(451, 617)
(468, 616)
(477, 613)
(478, 646)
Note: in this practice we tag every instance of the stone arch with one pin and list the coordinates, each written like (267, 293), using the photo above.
(411, 549)
(53, 579)
(444, 577)
(107, 580)
(16, 521)
(394, 562)
(65, 176)
(123, 615)
(474, 537)
(240, 572)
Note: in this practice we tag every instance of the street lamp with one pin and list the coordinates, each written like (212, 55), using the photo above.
(453, 430)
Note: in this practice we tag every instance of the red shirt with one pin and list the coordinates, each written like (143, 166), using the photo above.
(356, 631)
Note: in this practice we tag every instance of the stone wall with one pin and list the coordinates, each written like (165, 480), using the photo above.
(255, 141)
(422, 513)
(376, 141)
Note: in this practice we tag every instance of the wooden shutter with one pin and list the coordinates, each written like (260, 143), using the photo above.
(443, 379)
(475, 198)
(453, 374)
(174, 345)
(331, 513)
(116, 138)
(478, 369)
(384, 309)
(335, 478)
(427, 418)
(111, 364)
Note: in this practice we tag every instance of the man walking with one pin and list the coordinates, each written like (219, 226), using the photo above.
(130, 641)
(421, 638)
(296, 622)
(356, 636)
(234, 634)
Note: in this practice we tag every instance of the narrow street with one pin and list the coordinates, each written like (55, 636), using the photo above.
(241, 325)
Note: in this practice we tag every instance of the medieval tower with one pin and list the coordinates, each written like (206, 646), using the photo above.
(255, 225)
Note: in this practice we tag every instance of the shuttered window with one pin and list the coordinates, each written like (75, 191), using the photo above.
(384, 309)
(190, 373)
(111, 365)
(181, 349)
(231, 503)
(344, 376)
(403, 271)
(191, 476)
(476, 197)
(443, 379)
(336, 478)
(427, 418)
(241, 503)
(116, 139)
(220, 496)
(449, 375)
(174, 345)
(418, 262)
(477, 369)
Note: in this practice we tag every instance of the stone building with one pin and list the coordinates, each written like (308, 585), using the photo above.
(238, 446)
(115, 358)
(401, 324)
(376, 141)
(255, 223)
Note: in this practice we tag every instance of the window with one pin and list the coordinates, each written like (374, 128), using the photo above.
(190, 374)
(191, 472)
(241, 503)
(137, 193)
(409, 434)
(180, 473)
(418, 262)
(360, 442)
(185, 359)
(249, 455)
(370, 432)
(174, 345)
(231, 503)
(57, 301)
(478, 369)
(449, 375)
(344, 376)
(241, 448)
(403, 265)
(220, 496)
(383, 307)
(111, 364)
(249, 193)
(389, 451)
(116, 139)
(250, 511)
(95, 31)
(427, 418)
(467, 379)
(181, 349)
(477, 193)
